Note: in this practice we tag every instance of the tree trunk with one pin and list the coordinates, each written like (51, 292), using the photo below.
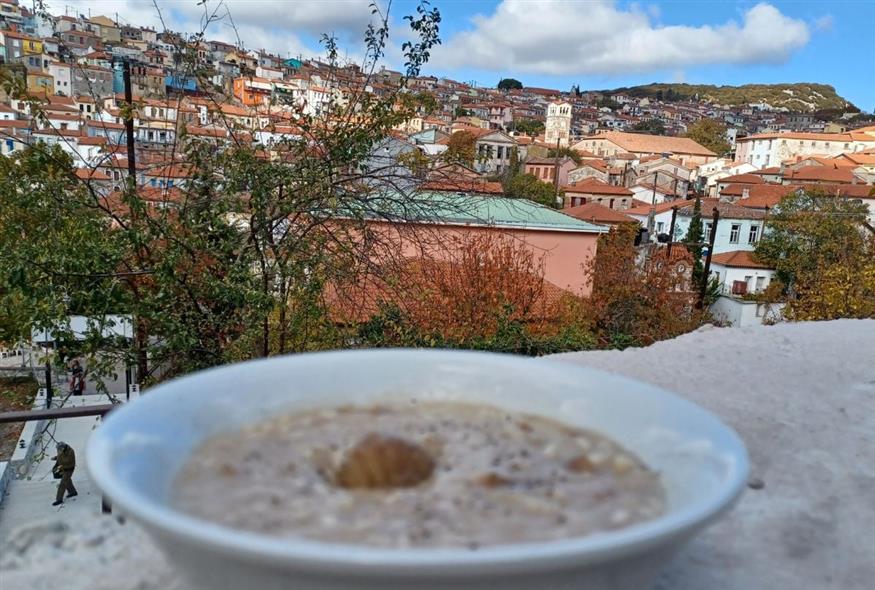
(282, 317)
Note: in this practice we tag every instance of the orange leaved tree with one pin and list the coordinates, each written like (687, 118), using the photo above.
(636, 303)
(485, 291)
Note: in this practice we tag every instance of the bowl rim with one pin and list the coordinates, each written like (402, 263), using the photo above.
(173, 525)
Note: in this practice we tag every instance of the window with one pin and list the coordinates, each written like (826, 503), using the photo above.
(754, 234)
(707, 231)
(748, 279)
(733, 233)
(761, 282)
(659, 226)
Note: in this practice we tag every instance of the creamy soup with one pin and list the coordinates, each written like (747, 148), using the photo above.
(418, 475)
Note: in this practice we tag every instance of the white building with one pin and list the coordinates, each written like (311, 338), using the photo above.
(740, 275)
(63, 78)
(771, 149)
(558, 125)
(738, 228)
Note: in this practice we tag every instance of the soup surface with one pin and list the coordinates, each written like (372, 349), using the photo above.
(426, 474)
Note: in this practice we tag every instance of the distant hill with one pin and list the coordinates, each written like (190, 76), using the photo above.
(800, 97)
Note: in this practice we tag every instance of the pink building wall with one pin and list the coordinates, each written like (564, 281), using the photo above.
(566, 254)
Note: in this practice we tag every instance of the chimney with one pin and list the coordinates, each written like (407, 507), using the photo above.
(745, 192)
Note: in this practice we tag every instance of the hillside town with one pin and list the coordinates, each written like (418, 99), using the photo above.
(588, 148)
(337, 322)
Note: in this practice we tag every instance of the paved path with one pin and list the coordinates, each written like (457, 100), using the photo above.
(802, 396)
(30, 500)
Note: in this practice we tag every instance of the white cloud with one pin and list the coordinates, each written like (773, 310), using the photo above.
(824, 23)
(562, 38)
(261, 24)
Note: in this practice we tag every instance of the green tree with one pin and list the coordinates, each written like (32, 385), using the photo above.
(232, 262)
(710, 134)
(510, 84)
(562, 152)
(824, 254)
(461, 148)
(461, 112)
(527, 186)
(530, 127)
(694, 238)
(651, 126)
(606, 101)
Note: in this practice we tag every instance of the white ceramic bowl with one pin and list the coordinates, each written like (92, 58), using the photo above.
(136, 453)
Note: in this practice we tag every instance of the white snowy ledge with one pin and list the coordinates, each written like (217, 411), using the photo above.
(802, 396)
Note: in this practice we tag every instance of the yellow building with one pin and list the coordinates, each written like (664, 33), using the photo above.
(40, 83)
(31, 45)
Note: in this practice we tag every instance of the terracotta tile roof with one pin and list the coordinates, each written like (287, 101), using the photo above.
(737, 259)
(595, 213)
(464, 186)
(852, 191)
(91, 174)
(644, 209)
(742, 179)
(84, 140)
(586, 154)
(643, 143)
(857, 159)
(726, 210)
(758, 190)
(595, 186)
(14, 124)
(170, 171)
(822, 173)
(599, 165)
(548, 161)
(770, 170)
(802, 136)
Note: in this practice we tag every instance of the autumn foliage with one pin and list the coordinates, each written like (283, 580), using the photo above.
(635, 304)
(486, 292)
(824, 253)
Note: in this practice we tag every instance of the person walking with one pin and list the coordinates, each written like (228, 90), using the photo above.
(77, 379)
(65, 465)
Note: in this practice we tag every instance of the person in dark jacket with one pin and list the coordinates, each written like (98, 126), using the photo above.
(65, 465)
(77, 379)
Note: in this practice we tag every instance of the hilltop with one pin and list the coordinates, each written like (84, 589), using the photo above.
(799, 97)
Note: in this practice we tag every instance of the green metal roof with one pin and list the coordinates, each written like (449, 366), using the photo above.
(469, 209)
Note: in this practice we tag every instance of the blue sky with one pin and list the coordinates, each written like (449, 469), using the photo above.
(556, 43)
(840, 50)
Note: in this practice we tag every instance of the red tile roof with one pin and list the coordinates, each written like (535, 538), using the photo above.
(464, 186)
(663, 207)
(595, 213)
(737, 259)
(841, 174)
(743, 179)
(757, 190)
(594, 186)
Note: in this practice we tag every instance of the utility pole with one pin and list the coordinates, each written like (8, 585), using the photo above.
(703, 287)
(674, 215)
(141, 336)
(129, 124)
(651, 217)
(556, 174)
